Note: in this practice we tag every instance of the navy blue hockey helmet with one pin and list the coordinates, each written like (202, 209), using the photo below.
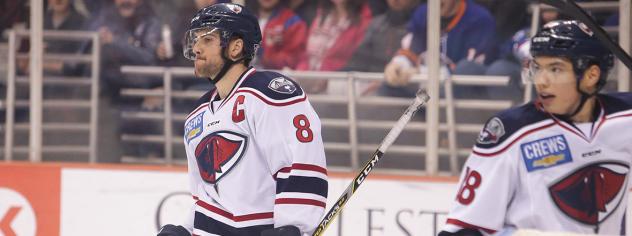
(231, 20)
(575, 41)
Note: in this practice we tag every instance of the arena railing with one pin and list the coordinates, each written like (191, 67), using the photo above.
(11, 102)
(350, 99)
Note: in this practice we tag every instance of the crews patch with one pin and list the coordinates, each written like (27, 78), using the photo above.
(592, 193)
(194, 127)
(218, 153)
(546, 152)
(494, 129)
(282, 85)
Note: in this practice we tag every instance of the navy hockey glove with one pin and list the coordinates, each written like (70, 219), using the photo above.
(462, 232)
(288, 230)
(173, 230)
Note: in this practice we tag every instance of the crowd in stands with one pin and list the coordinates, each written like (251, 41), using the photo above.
(478, 37)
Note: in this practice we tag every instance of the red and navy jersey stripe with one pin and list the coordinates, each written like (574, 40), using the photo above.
(209, 225)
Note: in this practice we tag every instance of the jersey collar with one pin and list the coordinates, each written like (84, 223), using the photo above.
(599, 115)
(215, 96)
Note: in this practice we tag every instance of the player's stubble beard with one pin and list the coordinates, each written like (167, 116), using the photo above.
(205, 68)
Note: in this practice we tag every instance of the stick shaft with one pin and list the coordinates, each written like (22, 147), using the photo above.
(421, 99)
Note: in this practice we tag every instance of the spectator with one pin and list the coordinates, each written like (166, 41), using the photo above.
(12, 14)
(383, 37)
(333, 38)
(306, 9)
(129, 34)
(467, 38)
(514, 55)
(284, 35)
(62, 15)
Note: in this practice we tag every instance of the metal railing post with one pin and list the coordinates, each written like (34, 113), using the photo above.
(353, 127)
(451, 123)
(10, 99)
(432, 112)
(535, 25)
(94, 98)
(624, 40)
(168, 122)
(36, 81)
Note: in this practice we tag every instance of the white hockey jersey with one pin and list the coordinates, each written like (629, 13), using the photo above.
(530, 169)
(255, 159)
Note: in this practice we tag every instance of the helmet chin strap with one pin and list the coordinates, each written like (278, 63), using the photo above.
(228, 63)
(582, 100)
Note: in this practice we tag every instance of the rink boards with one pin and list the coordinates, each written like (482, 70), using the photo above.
(71, 199)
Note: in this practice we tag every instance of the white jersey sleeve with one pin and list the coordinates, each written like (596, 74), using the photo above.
(486, 187)
(289, 138)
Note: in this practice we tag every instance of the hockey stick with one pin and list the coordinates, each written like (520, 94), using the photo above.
(569, 7)
(420, 99)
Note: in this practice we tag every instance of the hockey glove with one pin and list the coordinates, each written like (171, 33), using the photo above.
(288, 230)
(461, 232)
(173, 230)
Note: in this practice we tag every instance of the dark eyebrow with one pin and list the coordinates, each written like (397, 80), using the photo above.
(557, 63)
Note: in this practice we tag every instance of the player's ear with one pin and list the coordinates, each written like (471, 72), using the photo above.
(590, 78)
(235, 48)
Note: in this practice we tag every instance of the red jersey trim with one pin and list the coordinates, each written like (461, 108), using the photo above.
(300, 201)
(618, 116)
(469, 226)
(512, 142)
(228, 215)
(300, 166)
(271, 102)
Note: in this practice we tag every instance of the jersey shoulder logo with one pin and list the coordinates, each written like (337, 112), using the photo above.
(282, 85)
(194, 127)
(590, 194)
(493, 131)
(218, 153)
(546, 152)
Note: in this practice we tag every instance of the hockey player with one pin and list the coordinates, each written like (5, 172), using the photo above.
(255, 155)
(561, 163)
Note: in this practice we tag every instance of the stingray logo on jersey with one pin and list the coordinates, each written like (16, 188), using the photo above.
(194, 127)
(590, 194)
(494, 129)
(282, 85)
(546, 152)
(218, 153)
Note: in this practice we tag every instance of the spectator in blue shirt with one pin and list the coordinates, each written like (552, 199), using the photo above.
(467, 36)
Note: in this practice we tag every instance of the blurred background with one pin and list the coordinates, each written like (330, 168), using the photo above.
(104, 81)
(115, 87)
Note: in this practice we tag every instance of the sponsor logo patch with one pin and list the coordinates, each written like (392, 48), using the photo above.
(282, 85)
(194, 127)
(546, 152)
(494, 129)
